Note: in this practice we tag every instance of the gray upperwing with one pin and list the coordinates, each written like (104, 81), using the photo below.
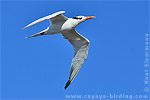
(81, 47)
(54, 18)
(58, 18)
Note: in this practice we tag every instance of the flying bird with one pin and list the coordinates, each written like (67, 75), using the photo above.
(66, 27)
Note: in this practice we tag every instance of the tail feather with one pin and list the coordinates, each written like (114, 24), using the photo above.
(38, 34)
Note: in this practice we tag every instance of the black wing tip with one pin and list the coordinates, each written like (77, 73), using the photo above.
(67, 84)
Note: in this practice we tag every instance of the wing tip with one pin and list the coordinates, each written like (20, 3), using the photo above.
(67, 84)
(24, 27)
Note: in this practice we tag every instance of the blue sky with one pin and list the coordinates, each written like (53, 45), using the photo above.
(38, 68)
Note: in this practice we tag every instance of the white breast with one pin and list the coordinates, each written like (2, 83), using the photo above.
(62, 26)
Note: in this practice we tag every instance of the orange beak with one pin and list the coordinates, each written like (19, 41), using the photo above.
(90, 17)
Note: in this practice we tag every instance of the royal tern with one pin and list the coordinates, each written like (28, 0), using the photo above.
(66, 26)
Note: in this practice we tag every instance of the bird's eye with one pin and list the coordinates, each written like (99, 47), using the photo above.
(77, 17)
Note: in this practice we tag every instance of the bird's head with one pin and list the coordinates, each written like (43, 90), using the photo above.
(79, 19)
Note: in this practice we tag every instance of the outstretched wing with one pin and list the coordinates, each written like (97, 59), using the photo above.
(54, 18)
(81, 47)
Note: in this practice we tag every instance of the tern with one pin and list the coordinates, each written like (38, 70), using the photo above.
(66, 27)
